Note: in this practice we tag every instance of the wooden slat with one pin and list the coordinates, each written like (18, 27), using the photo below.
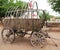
(27, 24)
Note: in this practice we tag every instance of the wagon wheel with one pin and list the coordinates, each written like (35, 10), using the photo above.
(8, 35)
(38, 39)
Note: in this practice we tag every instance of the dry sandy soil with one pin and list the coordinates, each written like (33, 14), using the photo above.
(24, 43)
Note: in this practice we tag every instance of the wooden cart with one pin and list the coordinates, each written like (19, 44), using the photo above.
(21, 25)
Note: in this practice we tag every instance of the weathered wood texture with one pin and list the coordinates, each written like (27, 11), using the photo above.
(26, 24)
(54, 24)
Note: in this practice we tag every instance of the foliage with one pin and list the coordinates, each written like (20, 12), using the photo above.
(55, 4)
(2, 8)
(5, 4)
(41, 15)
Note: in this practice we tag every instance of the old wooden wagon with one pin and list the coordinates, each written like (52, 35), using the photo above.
(21, 25)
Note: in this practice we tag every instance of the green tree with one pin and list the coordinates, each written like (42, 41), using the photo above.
(41, 15)
(2, 7)
(5, 4)
(55, 4)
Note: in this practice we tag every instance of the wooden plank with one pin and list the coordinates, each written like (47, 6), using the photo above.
(27, 24)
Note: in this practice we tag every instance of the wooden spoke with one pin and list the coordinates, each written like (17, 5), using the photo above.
(8, 35)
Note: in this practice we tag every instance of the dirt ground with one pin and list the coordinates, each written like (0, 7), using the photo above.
(24, 43)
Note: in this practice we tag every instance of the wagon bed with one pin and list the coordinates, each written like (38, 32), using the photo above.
(25, 24)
